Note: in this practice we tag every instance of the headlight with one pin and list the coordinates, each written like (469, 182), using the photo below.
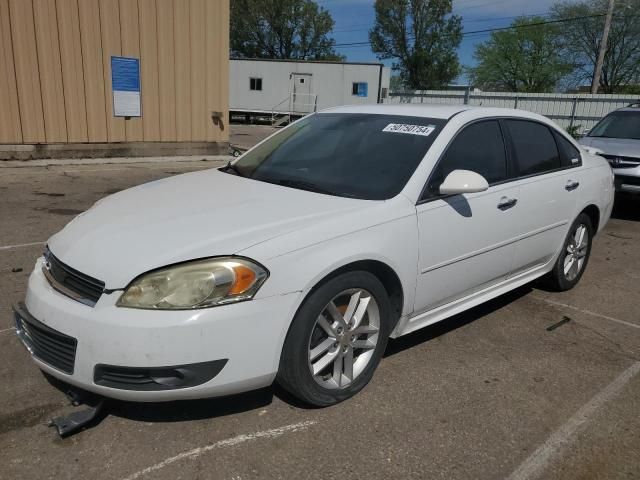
(197, 284)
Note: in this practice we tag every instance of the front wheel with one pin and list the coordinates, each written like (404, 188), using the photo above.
(336, 340)
(573, 258)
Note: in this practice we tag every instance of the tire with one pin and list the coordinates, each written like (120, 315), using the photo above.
(320, 333)
(559, 280)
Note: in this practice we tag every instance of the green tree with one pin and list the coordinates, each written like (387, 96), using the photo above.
(395, 83)
(522, 59)
(580, 42)
(287, 29)
(423, 36)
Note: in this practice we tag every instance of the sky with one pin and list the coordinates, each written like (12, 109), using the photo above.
(354, 18)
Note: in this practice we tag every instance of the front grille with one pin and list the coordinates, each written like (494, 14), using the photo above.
(618, 161)
(71, 282)
(44, 343)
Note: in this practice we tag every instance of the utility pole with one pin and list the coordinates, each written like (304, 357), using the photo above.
(603, 48)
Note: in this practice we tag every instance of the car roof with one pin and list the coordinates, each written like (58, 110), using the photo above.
(428, 110)
(412, 110)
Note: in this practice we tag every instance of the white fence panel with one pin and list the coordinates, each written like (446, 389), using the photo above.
(580, 111)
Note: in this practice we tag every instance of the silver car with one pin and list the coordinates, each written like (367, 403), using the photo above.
(617, 136)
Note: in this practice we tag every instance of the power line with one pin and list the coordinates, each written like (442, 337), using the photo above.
(475, 20)
(472, 3)
(489, 30)
(536, 24)
(466, 6)
(489, 19)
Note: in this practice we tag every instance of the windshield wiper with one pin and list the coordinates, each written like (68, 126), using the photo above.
(231, 167)
(308, 186)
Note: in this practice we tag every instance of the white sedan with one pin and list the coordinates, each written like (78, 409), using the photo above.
(299, 260)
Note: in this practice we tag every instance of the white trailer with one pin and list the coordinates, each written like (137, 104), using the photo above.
(281, 89)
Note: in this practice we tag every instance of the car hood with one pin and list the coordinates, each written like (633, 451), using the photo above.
(194, 215)
(614, 146)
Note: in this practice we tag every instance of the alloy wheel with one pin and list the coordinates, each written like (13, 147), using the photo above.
(576, 252)
(344, 338)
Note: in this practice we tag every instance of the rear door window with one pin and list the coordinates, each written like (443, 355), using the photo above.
(534, 147)
(479, 147)
(569, 154)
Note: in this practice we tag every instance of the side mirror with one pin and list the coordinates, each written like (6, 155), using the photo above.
(463, 181)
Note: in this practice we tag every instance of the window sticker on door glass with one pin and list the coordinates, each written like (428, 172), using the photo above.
(424, 130)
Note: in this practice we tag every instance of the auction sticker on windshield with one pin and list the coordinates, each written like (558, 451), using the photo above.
(424, 130)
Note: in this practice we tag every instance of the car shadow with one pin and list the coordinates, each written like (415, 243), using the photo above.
(443, 327)
(189, 410)
(174, 411)
(460, 204)
(626, 207)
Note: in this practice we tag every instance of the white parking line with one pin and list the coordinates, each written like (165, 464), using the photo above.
(7, 330)
(229, 442)
(20, 245)
(587, 312)
(533, 466)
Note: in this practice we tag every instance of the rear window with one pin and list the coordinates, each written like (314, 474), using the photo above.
(363, 156)
(534, 147)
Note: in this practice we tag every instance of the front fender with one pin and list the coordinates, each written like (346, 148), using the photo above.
(394, 243)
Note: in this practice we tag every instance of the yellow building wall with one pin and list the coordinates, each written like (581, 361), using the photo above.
(55, 70)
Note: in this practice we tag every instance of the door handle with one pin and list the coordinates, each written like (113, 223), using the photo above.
(506, 203)
(571, 185)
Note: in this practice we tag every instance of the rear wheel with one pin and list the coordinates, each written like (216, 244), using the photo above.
(573, 258)
(336, 340)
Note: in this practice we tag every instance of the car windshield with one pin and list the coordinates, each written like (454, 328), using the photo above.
(624, 124)
(365, 156)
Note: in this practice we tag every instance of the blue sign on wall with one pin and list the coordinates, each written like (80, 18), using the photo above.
(361, 89)
(125, 82)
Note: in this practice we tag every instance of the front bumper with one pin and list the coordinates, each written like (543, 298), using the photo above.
(248, 335)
